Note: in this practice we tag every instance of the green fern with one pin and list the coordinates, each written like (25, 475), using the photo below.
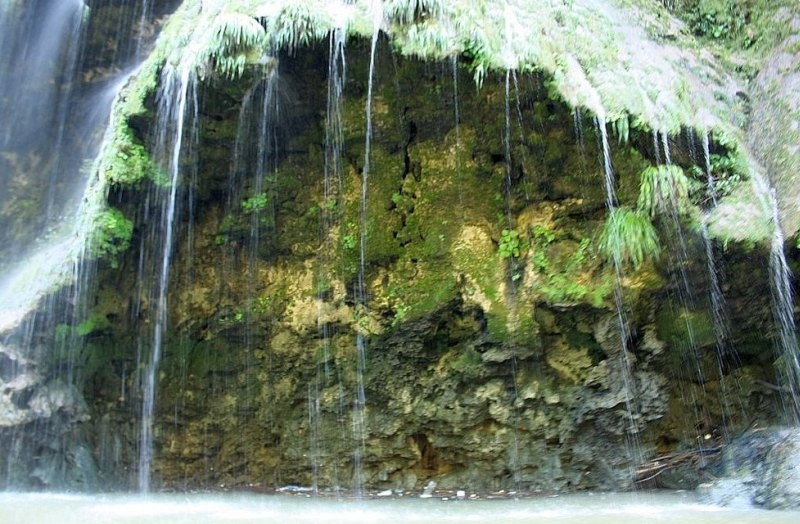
(111, 235)
(235, 40)
(427, 40)
(297, 25)
(628, 237)
(411, 11)
(663, 188)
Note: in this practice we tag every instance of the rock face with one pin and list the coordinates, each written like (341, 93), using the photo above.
(775, 106)
(781, 488)
(438, 308)
(760, 468)
(492, 351)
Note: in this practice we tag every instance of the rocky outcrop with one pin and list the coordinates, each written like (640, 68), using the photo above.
(438, 307)
(760, 468)
(493, 355)
(774, 131)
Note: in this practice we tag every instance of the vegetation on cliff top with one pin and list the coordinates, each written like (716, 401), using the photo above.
(626, 62)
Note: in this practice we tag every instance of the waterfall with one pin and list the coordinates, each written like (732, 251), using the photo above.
(619, 302)
(41, 242)
(175, 94)
(680, 254)
(457, 121)
(359, 406)
(782, 304)
(331, 209)
(719, 313)
(56, 98)
(251, 193)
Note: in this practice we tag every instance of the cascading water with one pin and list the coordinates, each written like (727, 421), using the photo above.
(432, 439)
(457, 121)
(177, 91)
(40, 44)
(719, 313)
(625, 363)
(251, 191)
(671, 209)
(56, 96)
(333, 179)
(788, 365)
(359, 406)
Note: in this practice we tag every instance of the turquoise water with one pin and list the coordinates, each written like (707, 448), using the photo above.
(18, 508)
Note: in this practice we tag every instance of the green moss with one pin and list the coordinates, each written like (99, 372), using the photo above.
(468, 363)
(742, 217)
(737, 24)
(686, 332)
(127, 161)
(111, 235)
(94, 324)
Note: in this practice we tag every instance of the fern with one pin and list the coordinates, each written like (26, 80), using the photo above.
(413, 11)
(234, 40)
(663, 188)
(296, 25)
(628, 237)
(427, 40)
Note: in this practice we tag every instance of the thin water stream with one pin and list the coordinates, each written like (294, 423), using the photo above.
(359, 406)
(177, 87)
(786, 346)
(634, 447)
(630, 508)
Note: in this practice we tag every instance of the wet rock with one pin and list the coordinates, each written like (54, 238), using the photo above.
(760, 468)
(780, 488)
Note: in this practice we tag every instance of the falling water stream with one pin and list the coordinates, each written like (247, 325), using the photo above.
(632, 437)
(37, 253)
(719, 313)
(359, 406)
(177, 86)
(678, 251)
(782, 303)
(330, 210)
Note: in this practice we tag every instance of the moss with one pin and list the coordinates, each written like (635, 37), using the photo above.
(111, 235)
(737, 24)
(127, 161)
(742, 217)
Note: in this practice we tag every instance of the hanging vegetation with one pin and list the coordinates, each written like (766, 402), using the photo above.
(662, 189)
(628, 237)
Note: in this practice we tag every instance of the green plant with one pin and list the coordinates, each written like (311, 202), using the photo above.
(728, 171)
(560, 282)
(405, 11)
(93, 324)
(255, 204)
(717, 19)
(111, 235)
(297, 24)
(628, 237)
(349, 241)
(663, 188)
(510, 244)
(232, 41)
(397, 198)
(350, 238)
(126, 161)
